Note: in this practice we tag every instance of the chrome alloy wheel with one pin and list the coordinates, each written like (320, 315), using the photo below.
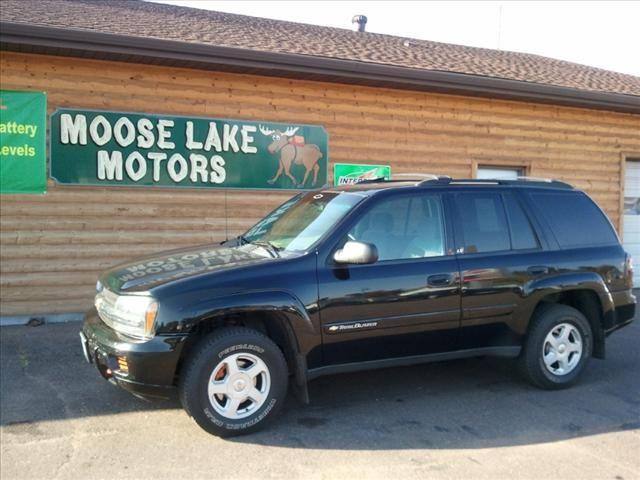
(239, 385)
(562, 349)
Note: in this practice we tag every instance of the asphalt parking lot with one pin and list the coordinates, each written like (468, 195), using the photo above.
(462, 419)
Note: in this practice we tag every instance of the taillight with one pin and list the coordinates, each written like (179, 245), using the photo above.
(628, 271)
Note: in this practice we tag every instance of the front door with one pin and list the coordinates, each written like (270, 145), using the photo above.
(407, 303)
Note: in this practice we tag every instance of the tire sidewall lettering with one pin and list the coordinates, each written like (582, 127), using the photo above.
(253, 421)
(243, 346)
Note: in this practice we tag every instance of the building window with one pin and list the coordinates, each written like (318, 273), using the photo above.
(506, 173)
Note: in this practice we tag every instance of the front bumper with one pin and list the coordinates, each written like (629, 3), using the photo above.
(145, 368)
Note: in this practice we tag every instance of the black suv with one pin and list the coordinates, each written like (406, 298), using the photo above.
(379, 274)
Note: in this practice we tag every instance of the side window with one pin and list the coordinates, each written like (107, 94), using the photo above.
(405, 227)
(483, 222)
(522, 235)
(575, 219)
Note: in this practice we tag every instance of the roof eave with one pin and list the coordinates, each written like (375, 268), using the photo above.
(88, 44)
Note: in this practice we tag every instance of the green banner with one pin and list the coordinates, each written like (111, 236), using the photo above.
(134, 149)
(348, 174)
(22, 142)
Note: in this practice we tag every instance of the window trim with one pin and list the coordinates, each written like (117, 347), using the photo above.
(536, 236)
(624, 158)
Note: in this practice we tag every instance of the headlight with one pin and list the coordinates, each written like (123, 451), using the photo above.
(128, 314)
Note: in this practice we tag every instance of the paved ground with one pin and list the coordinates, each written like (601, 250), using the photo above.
(463, 419)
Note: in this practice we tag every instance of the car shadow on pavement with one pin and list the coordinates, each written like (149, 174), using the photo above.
(472, 403)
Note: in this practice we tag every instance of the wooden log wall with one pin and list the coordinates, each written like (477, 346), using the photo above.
(53, 246)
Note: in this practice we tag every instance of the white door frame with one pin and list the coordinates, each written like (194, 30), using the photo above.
(624, 157)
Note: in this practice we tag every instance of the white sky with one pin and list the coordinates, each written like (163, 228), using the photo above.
(601, 34)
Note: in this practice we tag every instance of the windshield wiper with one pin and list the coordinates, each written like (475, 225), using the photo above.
(240, 239)
(268, 246)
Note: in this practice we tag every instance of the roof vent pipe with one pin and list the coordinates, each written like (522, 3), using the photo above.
(359, 21)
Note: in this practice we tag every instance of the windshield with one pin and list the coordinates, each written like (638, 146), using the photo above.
(299, 223)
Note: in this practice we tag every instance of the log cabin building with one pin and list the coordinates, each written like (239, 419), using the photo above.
(415, 105)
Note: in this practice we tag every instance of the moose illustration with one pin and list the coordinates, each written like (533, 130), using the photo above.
(293, 150)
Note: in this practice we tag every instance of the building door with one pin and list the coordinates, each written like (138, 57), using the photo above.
(631, 225)
(489, 172)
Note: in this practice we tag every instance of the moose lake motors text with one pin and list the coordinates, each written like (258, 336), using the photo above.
(111, 148)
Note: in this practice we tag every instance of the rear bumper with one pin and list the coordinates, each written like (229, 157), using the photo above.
(625, 310)
(143, 368)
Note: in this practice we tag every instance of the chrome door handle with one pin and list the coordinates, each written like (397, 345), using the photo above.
(441, 280)
(538, 270)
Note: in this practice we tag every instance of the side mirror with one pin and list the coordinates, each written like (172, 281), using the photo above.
(358, 253)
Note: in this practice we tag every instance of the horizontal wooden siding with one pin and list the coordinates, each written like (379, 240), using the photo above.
(53, 246)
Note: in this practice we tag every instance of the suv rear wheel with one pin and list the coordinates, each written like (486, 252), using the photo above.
(557, 348)
(234, 382)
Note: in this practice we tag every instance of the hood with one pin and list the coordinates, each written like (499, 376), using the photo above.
(148, 272)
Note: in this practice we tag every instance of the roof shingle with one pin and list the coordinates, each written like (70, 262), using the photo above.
(167, 22)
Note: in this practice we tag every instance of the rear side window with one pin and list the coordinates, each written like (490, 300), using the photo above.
(522, 235)
(483, 222)
(575, 219)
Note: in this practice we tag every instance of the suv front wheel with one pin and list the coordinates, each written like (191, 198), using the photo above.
(234, 382)
(557, 347)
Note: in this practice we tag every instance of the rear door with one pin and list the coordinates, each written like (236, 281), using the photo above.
(498, 251)
(408, 302)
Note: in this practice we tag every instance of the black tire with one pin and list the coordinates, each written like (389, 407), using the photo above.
(531, 360)
(209, 353)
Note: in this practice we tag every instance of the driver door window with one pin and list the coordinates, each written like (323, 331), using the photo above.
(404, 227)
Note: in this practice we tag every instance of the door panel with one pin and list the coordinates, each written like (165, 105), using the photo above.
(407, 303)
(492, 288)
(387, 310)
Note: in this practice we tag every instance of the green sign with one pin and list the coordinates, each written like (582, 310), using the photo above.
(131, 149)
(348, 174)
(22, 142)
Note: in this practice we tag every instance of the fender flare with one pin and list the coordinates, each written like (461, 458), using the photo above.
(300, 330)
(536, 290)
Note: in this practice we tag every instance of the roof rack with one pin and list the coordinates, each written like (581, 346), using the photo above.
(529, 181)
(421, 179)
(404, 177)
(415, 176)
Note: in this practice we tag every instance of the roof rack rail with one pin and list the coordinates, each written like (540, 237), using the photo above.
(541, 181)
(530, 181)
(432, 179)
(371, 180)
(419, 178)
(415, 176)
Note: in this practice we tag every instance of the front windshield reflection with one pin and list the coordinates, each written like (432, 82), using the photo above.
(299, 223)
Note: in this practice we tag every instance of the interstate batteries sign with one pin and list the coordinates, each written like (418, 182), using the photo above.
(23, 129)
(130, 149)
(349, 174)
